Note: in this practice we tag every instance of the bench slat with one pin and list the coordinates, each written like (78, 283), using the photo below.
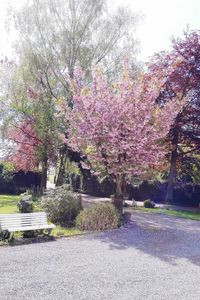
(34, 218)
(23, 221)
(27, 225)
(26, 218)
(22, 224)
(18, 219)
(2, 217)
(24, 214)
(50, 226)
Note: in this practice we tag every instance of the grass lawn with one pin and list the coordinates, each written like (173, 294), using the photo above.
(8, 205)
(178, 213)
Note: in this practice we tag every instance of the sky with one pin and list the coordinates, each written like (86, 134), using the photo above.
(161, 20)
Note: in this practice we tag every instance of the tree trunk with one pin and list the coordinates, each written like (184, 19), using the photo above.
(62, 167)
(172, 172)
(43, 184)
(118, 200)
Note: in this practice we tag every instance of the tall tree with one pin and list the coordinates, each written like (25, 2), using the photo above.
(179, 71)
(120, 127)
(32, 119)
(55, 36)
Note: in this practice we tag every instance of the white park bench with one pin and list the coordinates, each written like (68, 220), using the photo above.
(24, 222)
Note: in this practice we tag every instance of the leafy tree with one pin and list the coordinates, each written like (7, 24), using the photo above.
(55, 36)
(32, 121)
(179, 71)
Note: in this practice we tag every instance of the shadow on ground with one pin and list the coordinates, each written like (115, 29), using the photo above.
(165, 237)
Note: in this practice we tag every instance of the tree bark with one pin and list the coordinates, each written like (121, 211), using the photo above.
(43, 184)
(118, 200)
(172, 173)
(62, 167)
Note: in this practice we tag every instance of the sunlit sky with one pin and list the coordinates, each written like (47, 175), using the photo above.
(161, 20)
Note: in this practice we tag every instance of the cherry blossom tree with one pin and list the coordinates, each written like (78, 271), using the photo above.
(120, 127)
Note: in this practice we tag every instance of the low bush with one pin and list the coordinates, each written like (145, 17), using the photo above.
(61, 205)
(25, 205)
(100, 216)
(149, 204)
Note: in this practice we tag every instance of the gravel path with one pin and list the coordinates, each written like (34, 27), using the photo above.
(153, 257)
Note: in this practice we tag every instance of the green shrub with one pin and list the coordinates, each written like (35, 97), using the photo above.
(61, 205)
(149, 204)
(100, 216)
(25, 205)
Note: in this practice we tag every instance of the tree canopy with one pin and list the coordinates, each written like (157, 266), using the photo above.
(120, 125)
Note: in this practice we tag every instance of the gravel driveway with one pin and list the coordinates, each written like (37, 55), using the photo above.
(153, 257)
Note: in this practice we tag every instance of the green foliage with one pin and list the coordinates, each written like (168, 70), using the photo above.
(25, 206)
(195, 174)
(149, 204)
(61, 205)
(6, 171)
(100, 216)
(72, 167)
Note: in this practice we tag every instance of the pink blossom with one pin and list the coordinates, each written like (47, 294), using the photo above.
(121, 124)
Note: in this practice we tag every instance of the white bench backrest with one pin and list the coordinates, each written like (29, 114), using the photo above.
(22, 220)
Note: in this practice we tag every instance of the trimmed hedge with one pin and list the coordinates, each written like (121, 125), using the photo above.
(19, 182)
(100, 216)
